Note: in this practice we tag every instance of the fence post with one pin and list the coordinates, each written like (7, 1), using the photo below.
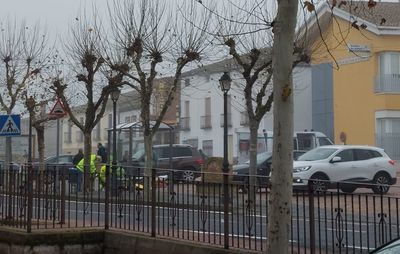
(107, 198)
(226, 210)
(30, 199)
(63, 186)
(153, 202)
(312, 218)
(11, 183)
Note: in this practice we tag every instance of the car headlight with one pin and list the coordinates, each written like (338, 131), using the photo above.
(235, 172)
(301, 169)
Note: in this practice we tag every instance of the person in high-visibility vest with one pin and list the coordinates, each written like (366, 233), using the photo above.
(92, 165)
(120, 174)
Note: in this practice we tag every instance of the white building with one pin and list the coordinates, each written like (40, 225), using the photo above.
(201, 111)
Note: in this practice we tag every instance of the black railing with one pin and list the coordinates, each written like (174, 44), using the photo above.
(184, 123)
(330, 222)
(205, 122)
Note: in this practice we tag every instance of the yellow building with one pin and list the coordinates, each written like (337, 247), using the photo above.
(362, 47)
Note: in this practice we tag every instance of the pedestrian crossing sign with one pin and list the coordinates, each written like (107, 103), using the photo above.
(10, 125)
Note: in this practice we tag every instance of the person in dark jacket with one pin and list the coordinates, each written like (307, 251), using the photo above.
(102, 153)
(78, 157)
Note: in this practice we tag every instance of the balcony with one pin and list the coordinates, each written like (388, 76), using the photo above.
(387, 83)
(184, 123)
(229, 120)
(205, 122)
(244, 119)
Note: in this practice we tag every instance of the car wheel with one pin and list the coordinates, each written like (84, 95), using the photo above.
(348, 189)
(381, 183)
(188, 175)
(318, 184)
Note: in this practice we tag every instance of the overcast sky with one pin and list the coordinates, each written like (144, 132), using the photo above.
(54, 15)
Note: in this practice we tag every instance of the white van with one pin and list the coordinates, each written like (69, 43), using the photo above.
(302, 140)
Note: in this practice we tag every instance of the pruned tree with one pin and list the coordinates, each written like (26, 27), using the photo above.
(155, 44)
(22, 57)
(280, 201)
(36, 100)
(92, 81)
(246, 30)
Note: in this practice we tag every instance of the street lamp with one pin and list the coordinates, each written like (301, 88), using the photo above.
(225, 84)
(114, 97)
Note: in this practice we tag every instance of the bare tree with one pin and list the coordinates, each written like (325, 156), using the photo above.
(282, 160)
(22, 54)
(92, 83)
(155, 44)
(246, 30)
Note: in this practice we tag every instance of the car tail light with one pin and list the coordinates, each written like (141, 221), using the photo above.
(392, 162)
(200, 162)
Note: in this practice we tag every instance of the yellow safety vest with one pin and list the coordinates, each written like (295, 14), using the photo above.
(81, 165)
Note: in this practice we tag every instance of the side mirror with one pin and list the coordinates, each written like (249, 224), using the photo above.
(336, 159)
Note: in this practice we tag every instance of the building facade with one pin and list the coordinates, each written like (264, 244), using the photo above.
(364, 72)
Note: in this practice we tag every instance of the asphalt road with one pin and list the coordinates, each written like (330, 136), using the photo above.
(362, 223)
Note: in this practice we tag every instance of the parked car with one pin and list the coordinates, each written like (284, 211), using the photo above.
(3, 171)
(185, 159)
(352, 166)
(64, 163)
(14, 166)
(392, 247)
(264, 160)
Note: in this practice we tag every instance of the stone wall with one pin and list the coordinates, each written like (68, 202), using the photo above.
(51, 242)
(81, 241)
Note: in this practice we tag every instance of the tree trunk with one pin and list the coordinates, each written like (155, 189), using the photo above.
(253, 159)
(282, 161)
(41, 145)
(87, 151)
(148, 147)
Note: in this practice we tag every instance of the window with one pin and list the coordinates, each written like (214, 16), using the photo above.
(389, 63)
(193, 142)
(324, 141)
(375, 154)
(388, 79)
(346, 155)
(162, 152)
(208, 147)
(363, 154)
(388, 136)
(182, 152)
(68, 134)
(97, 132)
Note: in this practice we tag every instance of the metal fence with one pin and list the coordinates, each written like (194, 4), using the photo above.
(333, 222)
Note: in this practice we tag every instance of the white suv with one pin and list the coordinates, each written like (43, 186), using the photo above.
(348, 167)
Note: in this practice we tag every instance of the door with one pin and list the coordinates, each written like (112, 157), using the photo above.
(344, 169)
(366, 163)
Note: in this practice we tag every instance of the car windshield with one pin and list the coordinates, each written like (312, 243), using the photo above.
(392, 248)
(316, 154)
(261, 157)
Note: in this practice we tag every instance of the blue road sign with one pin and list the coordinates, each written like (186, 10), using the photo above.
(10, 125)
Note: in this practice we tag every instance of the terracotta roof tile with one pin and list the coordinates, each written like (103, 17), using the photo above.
(390, 11)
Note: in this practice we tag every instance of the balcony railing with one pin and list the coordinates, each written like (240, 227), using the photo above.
(229, 116)
(244, 119)
(184, 123)
(387, 83)
(205, 122)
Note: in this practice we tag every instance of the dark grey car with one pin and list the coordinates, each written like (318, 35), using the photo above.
(185, 160)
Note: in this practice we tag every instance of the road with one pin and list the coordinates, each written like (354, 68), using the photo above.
(358, 226)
